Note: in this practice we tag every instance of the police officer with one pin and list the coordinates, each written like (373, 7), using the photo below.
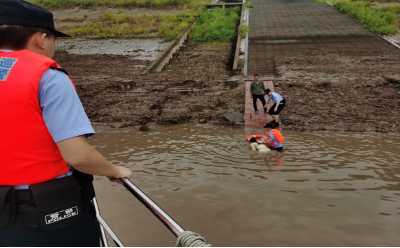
(274, 138)
(46, 162)
(278, 104)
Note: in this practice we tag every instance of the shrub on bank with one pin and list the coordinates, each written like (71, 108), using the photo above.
(378, 21)
(216, 24)
(109, 25)
(392, 9)
(384, 1)
(111, 3)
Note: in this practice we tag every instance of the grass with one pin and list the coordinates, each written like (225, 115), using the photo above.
(384, 1)
(54, 4)
(109, 25)
(377, 20)
(243, 29)
(249, 4)
(74, 19)
(392, 9)
(121, 25)
(216, 25)
(212, 25)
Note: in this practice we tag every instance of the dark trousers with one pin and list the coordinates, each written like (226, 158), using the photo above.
(262, 99)
(279, 149)
(85, 233)
(280, 107)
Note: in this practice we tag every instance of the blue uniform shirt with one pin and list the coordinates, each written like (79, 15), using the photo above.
(63, 112)
(274, 97)
(271, 137)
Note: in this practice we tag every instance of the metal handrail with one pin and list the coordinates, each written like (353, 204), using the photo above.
(104, 226)
(170, 223)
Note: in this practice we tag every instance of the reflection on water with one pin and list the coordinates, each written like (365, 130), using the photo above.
(325, 189)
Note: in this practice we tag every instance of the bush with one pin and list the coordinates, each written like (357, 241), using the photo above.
(112, 3)
(216, 25)
(376, 20)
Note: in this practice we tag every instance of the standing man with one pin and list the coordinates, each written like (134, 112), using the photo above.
(274, 138)
(257, 92)
(278, 104)
(46, 162)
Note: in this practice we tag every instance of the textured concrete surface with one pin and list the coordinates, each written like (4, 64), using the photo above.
(140, 49)
(281, 28)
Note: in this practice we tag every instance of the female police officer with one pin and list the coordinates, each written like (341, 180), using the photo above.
(278, 104)
(43, 138)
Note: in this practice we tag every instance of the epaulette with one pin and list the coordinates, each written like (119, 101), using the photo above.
(59, 69)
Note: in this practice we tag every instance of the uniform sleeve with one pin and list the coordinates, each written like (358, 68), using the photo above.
(62, 109)
(271, 137)
(278, 97)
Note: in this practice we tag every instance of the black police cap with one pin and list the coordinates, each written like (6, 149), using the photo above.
(18, 12)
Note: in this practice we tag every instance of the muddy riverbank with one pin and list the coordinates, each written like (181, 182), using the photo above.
(324, 91)
(191, 89)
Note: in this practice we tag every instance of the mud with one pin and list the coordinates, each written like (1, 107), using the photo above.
(340, 93)
(324, 91)
(191, 89)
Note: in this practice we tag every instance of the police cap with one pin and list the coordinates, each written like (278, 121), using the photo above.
(18, 12)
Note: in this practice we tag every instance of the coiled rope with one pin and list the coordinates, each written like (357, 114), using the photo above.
(191, 239)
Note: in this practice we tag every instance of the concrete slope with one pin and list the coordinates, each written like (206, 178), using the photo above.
(280, 28)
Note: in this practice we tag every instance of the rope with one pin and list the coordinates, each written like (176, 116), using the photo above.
(190, 239)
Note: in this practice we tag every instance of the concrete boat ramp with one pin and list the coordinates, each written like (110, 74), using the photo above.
(285, 28)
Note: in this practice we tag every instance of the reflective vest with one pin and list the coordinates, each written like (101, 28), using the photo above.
(278, 137)
(28, 153)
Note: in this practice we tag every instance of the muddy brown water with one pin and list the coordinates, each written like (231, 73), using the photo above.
(325, 189)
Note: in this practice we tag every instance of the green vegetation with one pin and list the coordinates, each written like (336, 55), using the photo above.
(216, 25)
(377, 20)
(74, 19)
(384, 1)
(121, 25)
(243, 29)
(112, 3)
(212, 25)
(248, 4)
(392, 9)
(126, 26)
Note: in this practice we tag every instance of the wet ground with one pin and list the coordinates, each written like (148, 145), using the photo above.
(325, 189)
(190, 89)
(136, 49)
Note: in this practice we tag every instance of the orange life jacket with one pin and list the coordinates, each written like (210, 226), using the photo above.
(278, 137)
(28, 153)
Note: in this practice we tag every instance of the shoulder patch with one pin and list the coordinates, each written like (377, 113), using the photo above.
(6, 65)
(59, 69)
